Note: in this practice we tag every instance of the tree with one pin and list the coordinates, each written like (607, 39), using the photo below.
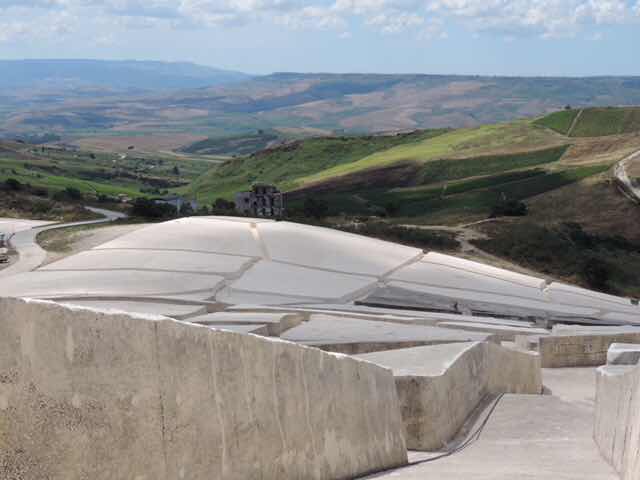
(509, 208)
(596, 273)
(316, 208)
(143, 207)
(13, 184)
(176, 171)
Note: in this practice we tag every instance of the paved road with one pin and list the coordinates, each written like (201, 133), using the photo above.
(31, 255)
(620, 172)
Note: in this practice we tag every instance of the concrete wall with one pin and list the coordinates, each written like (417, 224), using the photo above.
(86, 395)
(580, 350)
(440, 386)
(617, 421)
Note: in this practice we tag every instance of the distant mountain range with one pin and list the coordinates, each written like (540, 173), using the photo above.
(96, 97)
(118, 75)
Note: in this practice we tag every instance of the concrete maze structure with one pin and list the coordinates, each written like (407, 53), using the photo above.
(233, 348)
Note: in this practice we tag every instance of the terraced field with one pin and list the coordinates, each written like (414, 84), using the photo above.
(593, 122)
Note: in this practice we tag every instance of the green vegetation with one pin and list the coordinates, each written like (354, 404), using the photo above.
(97, 174)
(414, 237)
(601, 262)
(446, 170)
(475, 142)
(597, 122)
(284, 165)
(465, 200)
(234, 145)
(559, 121)
(594, 122)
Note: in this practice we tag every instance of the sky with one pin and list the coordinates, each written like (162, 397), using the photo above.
(485, 37)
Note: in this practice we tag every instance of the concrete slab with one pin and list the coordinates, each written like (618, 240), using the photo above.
(176, 311)
(493, 302)
(446, 276)
(580, 350)
(194, 234)
(289, 280)
(333, 250)
(354, 336)
(120, 283)
(569, 294)
(527, 437)
(498, 332)
(274, 323)
(158, 260)
(623, 354)
(93, 395)
(440, 386)
(256, 329)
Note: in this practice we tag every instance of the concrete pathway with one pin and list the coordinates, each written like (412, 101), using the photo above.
(528, 437)
(31, 255)
(620, 172)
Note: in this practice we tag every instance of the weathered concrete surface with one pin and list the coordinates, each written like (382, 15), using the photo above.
(356, 336)
(86, 395)
(274, 323)
(623, 354)
(527, 437)
(617, 423)
(177, 311)
(440, 386)
(580, 350)
(615, 387)
(499, 332)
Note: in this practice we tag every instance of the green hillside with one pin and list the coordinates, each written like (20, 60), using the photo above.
(559, 121)
(285, 165)
(594, 122)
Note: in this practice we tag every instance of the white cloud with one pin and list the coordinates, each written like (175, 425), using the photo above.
(426, 18)
(395, 22)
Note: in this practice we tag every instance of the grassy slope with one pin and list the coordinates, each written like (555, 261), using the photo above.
(102, 173)
(559, 121)
(517, 136)
(284, 165)
(594, 122)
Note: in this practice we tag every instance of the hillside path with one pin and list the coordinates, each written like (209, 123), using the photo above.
(31, 255)
(621, 175)
(574, 123)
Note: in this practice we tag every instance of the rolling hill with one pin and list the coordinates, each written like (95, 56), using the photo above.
(428, 176)
(298, 104)
(64, 75)
(593, 122)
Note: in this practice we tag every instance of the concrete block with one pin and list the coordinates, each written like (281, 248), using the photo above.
(588, 350)
(440, 386)
(499, 332)
(356, 336)
(623, 354)
(84, 394)
(274, 323)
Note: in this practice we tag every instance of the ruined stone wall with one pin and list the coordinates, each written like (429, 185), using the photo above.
(89, 395)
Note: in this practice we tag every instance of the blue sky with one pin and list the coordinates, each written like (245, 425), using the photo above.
(502, 37)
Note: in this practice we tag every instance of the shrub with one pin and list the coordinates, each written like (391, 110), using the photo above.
(315, 208)
(143, 207)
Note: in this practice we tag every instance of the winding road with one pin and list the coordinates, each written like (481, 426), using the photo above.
(31, 255)
(621, 175)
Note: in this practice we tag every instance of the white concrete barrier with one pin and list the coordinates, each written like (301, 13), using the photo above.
(617, 421)
(440, 386)
(85, 394)
(581, 350)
